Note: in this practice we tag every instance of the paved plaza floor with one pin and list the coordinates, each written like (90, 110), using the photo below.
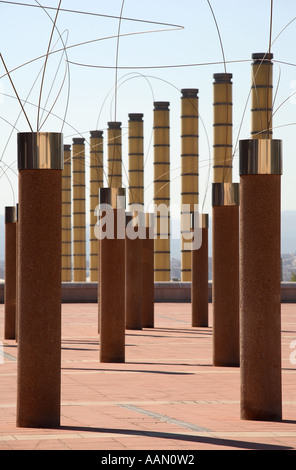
(166, 396)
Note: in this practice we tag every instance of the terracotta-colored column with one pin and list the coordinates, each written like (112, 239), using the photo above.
(133, 275)
(189, 169)
(161, 130)
(112, 278)
(10, 274)
(79, 230)
(260, 279)
(199, 278)
(225, 282)
(148, 273)
(66, 217)
(225, 230)
(261, 95)
(40, 163)
(96, 182)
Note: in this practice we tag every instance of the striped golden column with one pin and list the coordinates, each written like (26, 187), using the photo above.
(189, 168)
(225, 230)
(261, 96)
(114, 155)
(66, 217)
(79, 231)
(136, 159)
(161, 128)
(96, 182)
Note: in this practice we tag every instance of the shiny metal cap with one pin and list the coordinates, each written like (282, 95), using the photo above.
(225, 194)
(40, 151)
(114, 197)
(10, 214)
(260, 157)
(203, 220)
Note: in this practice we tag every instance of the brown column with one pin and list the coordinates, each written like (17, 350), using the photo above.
(112, 281)
(260, 279)
(133, 277)
(148, 273)
(40, 162)
(10, 274)
(199, 278)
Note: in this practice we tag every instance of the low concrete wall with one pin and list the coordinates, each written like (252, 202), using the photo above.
(87, 292)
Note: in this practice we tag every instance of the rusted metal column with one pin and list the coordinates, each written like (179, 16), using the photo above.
(225, 230)
(161, 126)
(133, 273)
(66, 217)
(199, 278)
(10, 274)
(261, 96)
(111, 287)
(96, 182)
(260, 279)
(189, 168)
(148, 273)
(40, 163)
(79, 229)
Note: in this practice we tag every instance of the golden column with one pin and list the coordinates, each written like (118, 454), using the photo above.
(136, 159)
(161, 126)
(96, 182)
(225, 231)
(189, 169)
(79, 232)
(261, 96)
(66, 217)
(114, 155)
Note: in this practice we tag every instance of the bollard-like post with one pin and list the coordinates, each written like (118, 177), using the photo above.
(199, 277)
(40, 163)
(10, 274)
(133, 272)
(111, 289)
(260, 278)
(148, 273)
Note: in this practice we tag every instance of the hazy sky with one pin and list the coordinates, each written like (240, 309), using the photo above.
(182, 36)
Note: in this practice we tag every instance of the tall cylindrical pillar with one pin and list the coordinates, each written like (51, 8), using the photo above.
(133, 274)
(114, 155)
(189, 169)
(66, 217)
(40, 163)
(96, 182)
(79, 230)
(136, 159)
(112, 276)
(10, 274)
(260, 278)
(225, 280)
(225, 230)
(148, 273)
(199, 278)
(261, 96)
(161, 127)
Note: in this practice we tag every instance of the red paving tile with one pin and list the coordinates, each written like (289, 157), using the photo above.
(166, 396)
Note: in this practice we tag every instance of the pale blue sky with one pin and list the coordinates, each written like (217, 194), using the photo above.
(244, 28)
